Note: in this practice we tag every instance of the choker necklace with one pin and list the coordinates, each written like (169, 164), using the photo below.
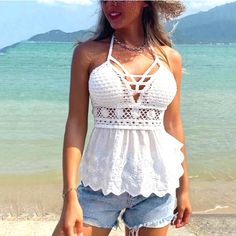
(132, 49)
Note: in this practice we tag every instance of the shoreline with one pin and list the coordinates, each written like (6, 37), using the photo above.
(35, 197)
(28, 205)
(38, 197)
(200, 225)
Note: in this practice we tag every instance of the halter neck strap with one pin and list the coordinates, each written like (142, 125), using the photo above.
(111, 46)
(111, 58)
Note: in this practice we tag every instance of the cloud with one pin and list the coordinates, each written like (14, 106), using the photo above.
(196, 4)
(77, 2)
(205, 4)
(192, 6)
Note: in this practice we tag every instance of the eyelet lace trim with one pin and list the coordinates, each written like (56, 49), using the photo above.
(129, 117)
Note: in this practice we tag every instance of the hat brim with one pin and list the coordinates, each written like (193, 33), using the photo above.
(170, 9)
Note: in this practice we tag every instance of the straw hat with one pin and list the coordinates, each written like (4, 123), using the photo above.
(169, 9)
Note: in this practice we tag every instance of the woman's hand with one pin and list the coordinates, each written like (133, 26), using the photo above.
(71, 221)
(183, 210)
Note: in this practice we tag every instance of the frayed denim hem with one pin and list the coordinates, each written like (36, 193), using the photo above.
(96, 223)
(154, 224)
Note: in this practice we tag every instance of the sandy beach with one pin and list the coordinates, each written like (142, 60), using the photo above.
(40, 195)
(32, 206)
(200, 225)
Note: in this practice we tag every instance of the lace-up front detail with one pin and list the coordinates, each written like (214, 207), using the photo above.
(130, 104)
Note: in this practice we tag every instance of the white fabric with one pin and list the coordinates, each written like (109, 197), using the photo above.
(129, 149)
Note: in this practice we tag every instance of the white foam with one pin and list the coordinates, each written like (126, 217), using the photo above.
(193, 176)
(213, 209)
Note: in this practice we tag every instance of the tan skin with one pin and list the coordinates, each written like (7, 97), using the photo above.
(86, 57)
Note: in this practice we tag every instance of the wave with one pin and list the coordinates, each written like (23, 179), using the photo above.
(211, 209)
(193, 176)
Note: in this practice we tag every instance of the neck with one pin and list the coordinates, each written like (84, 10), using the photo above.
(132, 36)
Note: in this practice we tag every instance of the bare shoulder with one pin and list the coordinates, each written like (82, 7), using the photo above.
(172, 53)
(174, 58)
(82, 53)
(90, 52)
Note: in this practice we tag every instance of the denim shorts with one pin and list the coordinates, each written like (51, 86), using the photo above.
(104, 211)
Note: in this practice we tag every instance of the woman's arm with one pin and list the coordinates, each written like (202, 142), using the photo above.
(76, 125)
(71, 220)
(173, 125)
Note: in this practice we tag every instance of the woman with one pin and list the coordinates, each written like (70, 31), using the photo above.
(134, 166)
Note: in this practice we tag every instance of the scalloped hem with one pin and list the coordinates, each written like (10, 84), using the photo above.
(159, 193)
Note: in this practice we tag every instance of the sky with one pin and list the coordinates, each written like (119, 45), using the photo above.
(20, 20)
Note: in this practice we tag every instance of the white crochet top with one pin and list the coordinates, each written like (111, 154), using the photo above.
(129, 149)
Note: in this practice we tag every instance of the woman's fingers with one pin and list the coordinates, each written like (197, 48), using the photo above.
(69, 231)
(179, 219)
(79, 228)
(186, 217)
(182, 218)
(183, 211)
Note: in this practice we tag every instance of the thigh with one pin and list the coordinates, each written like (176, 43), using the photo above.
(143, 231)
(90, 230)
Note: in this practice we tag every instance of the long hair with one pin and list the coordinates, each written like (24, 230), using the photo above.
(153, 18)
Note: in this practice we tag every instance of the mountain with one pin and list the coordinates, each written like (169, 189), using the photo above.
(3, 50)
(57, 36)
(217, 25)
(60, 36)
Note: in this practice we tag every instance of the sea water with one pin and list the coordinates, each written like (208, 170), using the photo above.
(34, 93)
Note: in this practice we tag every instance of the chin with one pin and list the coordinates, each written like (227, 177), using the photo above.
(117, 26)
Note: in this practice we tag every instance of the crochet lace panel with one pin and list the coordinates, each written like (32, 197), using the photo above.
(127, 117)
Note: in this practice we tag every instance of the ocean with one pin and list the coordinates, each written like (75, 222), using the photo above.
(34, 92)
